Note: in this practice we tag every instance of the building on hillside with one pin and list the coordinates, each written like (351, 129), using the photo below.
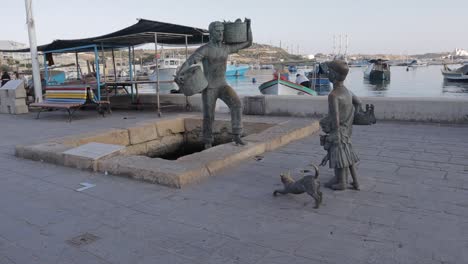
(13, 45)
(460, 53)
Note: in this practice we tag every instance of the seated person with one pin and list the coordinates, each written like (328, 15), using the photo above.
(302, 80)
(5, 78)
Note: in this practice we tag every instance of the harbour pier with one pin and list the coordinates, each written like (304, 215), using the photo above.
(411, 207)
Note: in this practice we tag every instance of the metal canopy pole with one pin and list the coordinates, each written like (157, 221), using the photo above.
(133, 63)
(131, 69)
(46, 75)
(130, 62)
(135, 84)
(162, 51)
(78, 75)
(103, 61)
(113, 63)
(186, 47)
(188, 106)
(157, 73)
(98, 74)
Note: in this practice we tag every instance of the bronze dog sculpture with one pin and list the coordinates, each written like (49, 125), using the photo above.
(365, 117)
(309, 184)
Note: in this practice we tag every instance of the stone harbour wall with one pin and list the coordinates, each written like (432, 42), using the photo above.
(420, 109)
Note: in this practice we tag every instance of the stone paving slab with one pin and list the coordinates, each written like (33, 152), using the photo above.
(86, 156)
(410, 210)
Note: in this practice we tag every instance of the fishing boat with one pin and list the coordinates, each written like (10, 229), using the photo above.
(377, 70)
(292, 68)
(236, 70)
(284, 87)
(55, 77)
(267, 67)
(167, 70)
(358, 63)
(319, 80)
(460, 74)
(417, 63)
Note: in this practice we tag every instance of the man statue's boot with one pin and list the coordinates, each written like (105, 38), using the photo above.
(208, 145)
(237, 139)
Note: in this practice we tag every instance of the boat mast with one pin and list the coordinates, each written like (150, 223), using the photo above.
(339, 49)
(33, 50)
(346, 46)
(334, 45)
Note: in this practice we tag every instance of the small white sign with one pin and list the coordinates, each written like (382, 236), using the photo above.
(86, 185)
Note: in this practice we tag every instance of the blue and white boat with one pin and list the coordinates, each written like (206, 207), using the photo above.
(318, 80)
(236, 70)
(55, 77)
(278, 86)
(292, 68)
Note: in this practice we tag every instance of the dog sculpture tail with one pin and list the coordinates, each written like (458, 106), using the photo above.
(316, 170)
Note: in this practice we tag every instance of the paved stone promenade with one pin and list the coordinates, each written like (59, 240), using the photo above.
(413, 207)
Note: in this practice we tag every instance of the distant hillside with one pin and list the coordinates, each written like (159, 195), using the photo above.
(11, 45)
(262, 53)
(431, 55)
(257, 53)
(425, 56)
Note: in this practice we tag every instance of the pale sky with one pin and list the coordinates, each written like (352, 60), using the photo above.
(393, 26)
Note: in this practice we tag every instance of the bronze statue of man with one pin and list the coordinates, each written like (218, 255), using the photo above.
(342, 105)
(213, 56)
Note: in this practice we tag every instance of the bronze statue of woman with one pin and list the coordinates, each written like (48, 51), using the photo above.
(342, 104)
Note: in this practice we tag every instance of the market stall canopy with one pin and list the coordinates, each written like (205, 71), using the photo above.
(140, 33)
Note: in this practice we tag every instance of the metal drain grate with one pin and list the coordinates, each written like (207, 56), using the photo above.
(83, 239)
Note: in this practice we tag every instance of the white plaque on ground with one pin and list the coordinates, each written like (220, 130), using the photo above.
(94, 150)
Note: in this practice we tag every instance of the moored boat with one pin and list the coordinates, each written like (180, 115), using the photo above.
(318, 80)
(358, 63)
(417, 63)
(377, 70)
(55, 77)
(236, 70)
(292, 68)
(283, 87)
(460, 74)
(266, 67)
(167, 70)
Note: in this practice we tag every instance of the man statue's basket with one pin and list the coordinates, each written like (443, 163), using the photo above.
(193, 80)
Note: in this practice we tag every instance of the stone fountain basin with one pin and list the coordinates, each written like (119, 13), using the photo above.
(136, 151)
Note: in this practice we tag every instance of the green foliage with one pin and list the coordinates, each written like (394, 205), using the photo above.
(5, 68)
(148, 57)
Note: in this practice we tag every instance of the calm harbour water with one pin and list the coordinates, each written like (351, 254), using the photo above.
(417, 82)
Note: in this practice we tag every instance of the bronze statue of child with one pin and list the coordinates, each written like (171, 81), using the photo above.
(338, 125)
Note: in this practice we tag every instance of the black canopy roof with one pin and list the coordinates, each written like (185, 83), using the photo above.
(140, 33)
